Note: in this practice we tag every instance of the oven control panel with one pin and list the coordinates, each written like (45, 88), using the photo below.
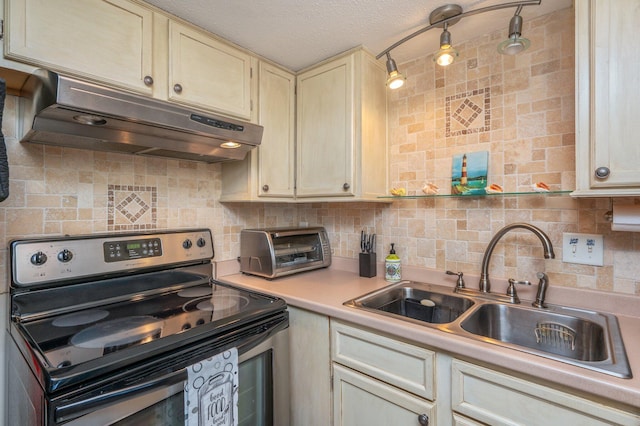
(42, 261)
(117, 251)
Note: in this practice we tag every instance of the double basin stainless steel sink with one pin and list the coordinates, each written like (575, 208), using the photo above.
(579, 337)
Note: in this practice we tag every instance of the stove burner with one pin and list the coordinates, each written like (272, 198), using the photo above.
(195, 292)
(80, 318)
(118, 333)
(218, 303)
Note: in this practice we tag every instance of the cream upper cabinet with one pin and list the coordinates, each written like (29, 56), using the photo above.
(205, 72)
(131, 45)
(339, 149)
(268, 172)
(341, 129)
(276, 112)
(607, 108)
(108, 40)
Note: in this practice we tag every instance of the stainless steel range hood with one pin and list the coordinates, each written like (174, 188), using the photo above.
(64, 111)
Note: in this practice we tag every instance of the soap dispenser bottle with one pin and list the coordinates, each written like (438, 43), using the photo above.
(392, 270)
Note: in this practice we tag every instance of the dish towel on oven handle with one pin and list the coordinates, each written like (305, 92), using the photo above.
(4, 163)
(211, 391)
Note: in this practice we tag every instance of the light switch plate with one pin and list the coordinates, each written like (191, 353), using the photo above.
(586, 249)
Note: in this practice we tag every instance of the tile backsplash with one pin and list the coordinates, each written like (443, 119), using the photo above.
(520, 109)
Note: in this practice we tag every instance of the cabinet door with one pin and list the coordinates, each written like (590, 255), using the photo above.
(207, 73)
(107, 40)
(495, 398)
(607, 108)
(361, 400)
(276, 154)
(325, 130)
(310, 369)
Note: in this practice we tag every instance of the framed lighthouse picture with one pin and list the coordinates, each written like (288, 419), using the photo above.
(469, 173)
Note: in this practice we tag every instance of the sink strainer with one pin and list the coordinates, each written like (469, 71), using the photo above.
(557, 335)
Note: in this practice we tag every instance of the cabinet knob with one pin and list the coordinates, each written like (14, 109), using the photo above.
(265, 188)
(346, 186)
(423, 419)
(177, 88)
(602, 172)
(148, 80)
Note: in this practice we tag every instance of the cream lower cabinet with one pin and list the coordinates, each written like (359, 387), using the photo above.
(108, 40)
(380, 381)
(131, 45)
(484, 396)
(607, 108)
(310, 372)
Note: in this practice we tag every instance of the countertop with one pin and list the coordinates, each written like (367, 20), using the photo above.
(325, 290)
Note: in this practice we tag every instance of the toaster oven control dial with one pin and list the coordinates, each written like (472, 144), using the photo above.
(65, 256)
(39, 258)
(201, 242)
(187, 244)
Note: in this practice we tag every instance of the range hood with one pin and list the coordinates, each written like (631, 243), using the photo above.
(64, 111)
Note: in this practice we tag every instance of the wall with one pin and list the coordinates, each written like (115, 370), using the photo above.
(524, 118)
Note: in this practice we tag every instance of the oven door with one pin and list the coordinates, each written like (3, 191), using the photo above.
(263, 394)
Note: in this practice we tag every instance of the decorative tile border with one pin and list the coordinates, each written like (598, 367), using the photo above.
(132, 208)
(468, 112)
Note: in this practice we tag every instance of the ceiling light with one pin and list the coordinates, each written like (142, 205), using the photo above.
(447, 54)
(449, 14)
(514, 44)
(395, 78)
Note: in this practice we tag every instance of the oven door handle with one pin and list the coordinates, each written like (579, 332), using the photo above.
(89, 405)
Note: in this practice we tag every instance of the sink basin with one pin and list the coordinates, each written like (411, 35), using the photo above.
(580, 337)
(575, 336)
(414, 302)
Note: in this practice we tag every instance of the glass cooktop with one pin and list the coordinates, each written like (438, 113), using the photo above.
(76, 337)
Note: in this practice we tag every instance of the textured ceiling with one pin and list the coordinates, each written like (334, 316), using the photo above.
(300, 33)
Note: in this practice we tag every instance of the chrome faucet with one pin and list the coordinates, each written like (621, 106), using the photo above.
(485, 284)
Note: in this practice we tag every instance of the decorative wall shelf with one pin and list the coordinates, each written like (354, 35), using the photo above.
(497, 194)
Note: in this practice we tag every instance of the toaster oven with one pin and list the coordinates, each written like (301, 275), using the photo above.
(275, 252)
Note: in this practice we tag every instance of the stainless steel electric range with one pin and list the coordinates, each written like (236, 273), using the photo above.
(103, 327)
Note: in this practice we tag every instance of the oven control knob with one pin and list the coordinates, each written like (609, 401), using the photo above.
(187, 244)
(65, 255)
(39, 258)
(201, 242)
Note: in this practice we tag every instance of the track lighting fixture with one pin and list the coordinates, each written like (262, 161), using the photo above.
(449, 14)
(395, 80)
(447, 54)
(514, 44)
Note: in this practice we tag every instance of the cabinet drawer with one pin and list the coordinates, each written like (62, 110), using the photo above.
(403, 365)
(496, 398)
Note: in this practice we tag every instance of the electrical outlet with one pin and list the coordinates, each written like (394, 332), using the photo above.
(586, 249)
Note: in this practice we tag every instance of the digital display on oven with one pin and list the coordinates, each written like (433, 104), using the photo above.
(116, 251)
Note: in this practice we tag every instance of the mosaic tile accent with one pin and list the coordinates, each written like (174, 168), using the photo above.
(132, 207)
(468, 112)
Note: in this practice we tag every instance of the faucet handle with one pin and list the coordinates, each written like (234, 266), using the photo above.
(460, 281)
(511, 290)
